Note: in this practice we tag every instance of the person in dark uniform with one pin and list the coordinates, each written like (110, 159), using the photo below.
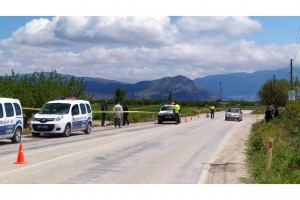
(125, 115)
(104, 113)
(268, 114)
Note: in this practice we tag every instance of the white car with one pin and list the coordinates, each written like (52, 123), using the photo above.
(11, 119)
(166, 113)
(233, 114)
(62, 117)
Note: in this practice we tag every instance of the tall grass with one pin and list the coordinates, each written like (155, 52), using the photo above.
(285, 168)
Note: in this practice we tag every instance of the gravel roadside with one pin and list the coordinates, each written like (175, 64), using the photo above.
(228, 164)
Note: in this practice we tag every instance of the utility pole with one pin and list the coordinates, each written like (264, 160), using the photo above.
(220, 91)
(291, 73)
(273, 90)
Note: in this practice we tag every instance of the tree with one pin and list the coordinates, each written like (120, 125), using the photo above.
(119, 95)
(38, 88)
(274, 92)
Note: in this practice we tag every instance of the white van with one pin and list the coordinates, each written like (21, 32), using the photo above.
(11, 119)
(62, 117)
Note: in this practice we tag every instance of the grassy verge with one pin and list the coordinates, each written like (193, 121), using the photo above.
(285, 165)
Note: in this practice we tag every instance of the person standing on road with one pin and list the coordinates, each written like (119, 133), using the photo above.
(125, 115)
(176, 111)
(104, 113)
(117, 109)
(212, 111)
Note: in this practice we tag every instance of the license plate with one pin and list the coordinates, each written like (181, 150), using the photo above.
(42, 127)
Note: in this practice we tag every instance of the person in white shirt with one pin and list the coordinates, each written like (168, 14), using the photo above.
(117, 109)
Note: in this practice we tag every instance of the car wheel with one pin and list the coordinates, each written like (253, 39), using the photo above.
(67, 131)
(17, 135)
(88, 129)
(35, 134)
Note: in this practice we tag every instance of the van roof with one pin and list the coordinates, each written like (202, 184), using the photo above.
(68, 101)
(8, 99)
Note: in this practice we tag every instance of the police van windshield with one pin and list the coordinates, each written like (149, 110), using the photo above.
(55, 108)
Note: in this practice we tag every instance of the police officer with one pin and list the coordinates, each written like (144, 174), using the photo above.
(212, 111)
(176, 111)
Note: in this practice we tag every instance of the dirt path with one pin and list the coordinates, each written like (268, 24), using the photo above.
(228, 164)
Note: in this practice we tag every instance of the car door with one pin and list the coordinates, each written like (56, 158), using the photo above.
(10, 118)
(76, 123)
(84, 115)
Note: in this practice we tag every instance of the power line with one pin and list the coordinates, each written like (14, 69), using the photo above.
(297, 46)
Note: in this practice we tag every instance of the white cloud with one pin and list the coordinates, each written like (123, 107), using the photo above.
(134, 31)
(131, 49)
(217, 25)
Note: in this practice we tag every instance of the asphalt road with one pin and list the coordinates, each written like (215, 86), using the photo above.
(137, 154)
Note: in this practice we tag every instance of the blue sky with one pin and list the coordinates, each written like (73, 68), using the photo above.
(147, 47)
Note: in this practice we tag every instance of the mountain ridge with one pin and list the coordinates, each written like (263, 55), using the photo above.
(233, 86)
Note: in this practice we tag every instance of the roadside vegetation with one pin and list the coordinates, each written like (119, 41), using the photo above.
(285, 164)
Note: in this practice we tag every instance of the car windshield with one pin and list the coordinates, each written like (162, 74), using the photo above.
(55, 108)
(167, 108)
(234, 110)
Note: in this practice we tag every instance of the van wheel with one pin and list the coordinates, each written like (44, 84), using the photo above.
(67, 131)
(88, 129)
(17, 135)
(36, 134)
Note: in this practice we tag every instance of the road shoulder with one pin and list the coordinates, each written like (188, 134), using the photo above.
(228, 164)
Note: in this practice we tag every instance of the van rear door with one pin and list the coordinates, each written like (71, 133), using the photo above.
(2, 121)
(10, 118)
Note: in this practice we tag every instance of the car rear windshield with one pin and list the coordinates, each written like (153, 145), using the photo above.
(55, 108)
(167, 108)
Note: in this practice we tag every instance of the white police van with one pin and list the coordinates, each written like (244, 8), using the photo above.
(11, 119)
(62, 117)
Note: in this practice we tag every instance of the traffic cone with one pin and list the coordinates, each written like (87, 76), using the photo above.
(185, 119)
(191, 118)
(20, 159)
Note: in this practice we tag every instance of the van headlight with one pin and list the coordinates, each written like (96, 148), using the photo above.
(32, 118)
(57, 119)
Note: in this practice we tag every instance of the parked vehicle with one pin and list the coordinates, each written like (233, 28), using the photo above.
(233, 114)
(11, 119)
(62, 117)
(166, 114)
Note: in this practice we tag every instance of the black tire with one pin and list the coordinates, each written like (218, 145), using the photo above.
(88, 128)
(17, 135)
(35, 134)
(67, 131)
